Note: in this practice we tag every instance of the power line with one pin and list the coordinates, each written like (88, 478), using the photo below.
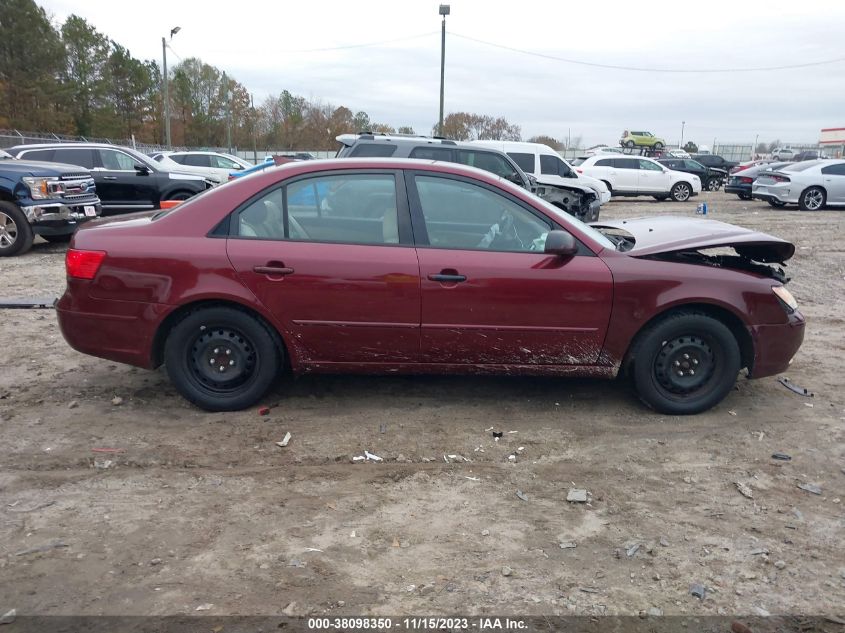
(648, 70)
(368, 44)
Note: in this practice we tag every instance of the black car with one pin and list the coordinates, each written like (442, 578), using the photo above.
(711, 178)
(740, 182)
(126, 180)
(712, 160)
(579, 201)
(811, 154)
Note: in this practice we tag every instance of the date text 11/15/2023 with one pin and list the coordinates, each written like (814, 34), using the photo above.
(417, 624)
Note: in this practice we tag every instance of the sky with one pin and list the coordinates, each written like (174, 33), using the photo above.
(269, 46)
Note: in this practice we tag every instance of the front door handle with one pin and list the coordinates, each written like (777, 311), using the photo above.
(448, 278)
(273, 270)
(109, 177)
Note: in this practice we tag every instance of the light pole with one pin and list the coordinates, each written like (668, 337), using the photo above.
(683, 123)
(444, 11)
(164, 80)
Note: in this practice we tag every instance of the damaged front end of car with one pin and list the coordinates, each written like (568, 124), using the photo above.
(581, 202)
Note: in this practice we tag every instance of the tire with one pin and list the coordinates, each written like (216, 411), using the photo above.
(658, 146)
(15, 232)
(58, 239)
(609, 188)
(690, 342)
(222, 334)
(812, 199)
(629, 144)
(179, 195)
(714, 184)
(744, 196)
(681, 192)
(660, 198)
(777, 204)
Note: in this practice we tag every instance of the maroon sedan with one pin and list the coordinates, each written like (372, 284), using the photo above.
(384, 265)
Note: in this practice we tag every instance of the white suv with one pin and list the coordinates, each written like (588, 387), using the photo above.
(637, 176)
(546, 165)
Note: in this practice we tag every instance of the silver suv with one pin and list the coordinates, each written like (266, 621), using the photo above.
(577, 200)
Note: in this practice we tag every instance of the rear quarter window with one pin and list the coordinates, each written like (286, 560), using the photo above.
(432, 153)
(604, 162)
(373, 150)
(38, 154)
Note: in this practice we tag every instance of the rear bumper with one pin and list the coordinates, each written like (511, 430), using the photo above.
(121, 331)
(776, 345)
(786, 193)
(744, 190)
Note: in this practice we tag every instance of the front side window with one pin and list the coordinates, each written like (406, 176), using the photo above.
(549, 165)
(691, 164)
(524, 160)
(221, 162)
(116, 161)
(461, 215)
(351, 209)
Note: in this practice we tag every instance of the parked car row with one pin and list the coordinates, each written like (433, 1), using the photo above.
(812, 185)
(638, 176)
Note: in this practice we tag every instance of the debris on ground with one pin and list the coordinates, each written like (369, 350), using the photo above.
(485, 532)
(264, 410)
(370, 456)
(577, 495)
(100, 463)
(588, 589)
(811, 488)
(9, 616)
(204, 607)
(507, 571)
(664, 542)
(739, 627)
(498, 434)
(761, 611)
(744, 490)
(782, 456)
(382, 428)
(655, 612)
(633, 549)
(37, 506)
(155, 561)
(472, 478)
(780, 564)
(522, 495)
(568, 545)
(72, 404)
(108, 450)
(285, 440)
(758, 551)
(295, 562)
(117, 401)
(42, 548)
(697, 591)
(786, 382)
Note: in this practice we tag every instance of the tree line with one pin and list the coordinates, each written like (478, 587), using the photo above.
(73, 79)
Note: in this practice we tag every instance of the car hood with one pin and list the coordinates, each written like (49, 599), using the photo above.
(670, 234)
(38, 168)
(564, 183)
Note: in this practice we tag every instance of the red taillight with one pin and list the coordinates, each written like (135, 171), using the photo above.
(746, 180)
(778, 178)
(580, 171)
(83, 264)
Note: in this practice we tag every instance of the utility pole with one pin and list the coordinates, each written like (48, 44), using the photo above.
(228, 97)
(166, 96)
(444, 11)
(165, 81)
(681, 146)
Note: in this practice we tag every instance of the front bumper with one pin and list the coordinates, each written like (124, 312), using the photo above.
(60, 212)
(776, 345)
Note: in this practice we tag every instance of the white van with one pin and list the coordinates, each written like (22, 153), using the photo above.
(546, 165)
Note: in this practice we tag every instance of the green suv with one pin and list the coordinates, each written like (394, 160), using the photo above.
(641, 139)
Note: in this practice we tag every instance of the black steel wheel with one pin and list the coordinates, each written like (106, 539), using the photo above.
(222, 358)
(685, 363)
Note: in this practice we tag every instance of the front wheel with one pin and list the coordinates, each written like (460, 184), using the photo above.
(179, 195)
(813, 199)
(714, 184)
(629, 144)
(15, 232)
(681, 192)
(658, 146)
(685, 364)
(222, 358)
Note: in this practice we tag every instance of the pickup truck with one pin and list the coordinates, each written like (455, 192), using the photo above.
(46, 199)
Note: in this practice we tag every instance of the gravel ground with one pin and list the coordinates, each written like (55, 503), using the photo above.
(204, 509)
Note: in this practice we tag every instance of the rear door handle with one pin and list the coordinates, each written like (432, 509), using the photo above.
(449, 279)
(273, 270)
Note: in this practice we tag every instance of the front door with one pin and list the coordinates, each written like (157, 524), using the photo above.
(489, 293)
(652, 177)
(330, 256)
(122, 189)
(627, 174)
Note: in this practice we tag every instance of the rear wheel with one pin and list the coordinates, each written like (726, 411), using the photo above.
(714, 184)
(15, 232)
(179, 195)
(222, 358)
(658, 146)
(681, 192)
(629, 143)
(744, 196)
(813, 199)
(686, 363)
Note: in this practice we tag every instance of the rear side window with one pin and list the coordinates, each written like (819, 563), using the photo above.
(494, 163)
(38, 154)
(525, 161)
(836, 170)
(176, 158)
(604, 162)
(351, 209)
(373, 150)
(75, 156)
(432, 153)
(626, 163)
(196, 160)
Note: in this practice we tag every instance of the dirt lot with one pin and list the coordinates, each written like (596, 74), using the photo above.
(204, 509)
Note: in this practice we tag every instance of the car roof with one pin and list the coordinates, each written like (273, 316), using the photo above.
(58, 145)
(516, 145)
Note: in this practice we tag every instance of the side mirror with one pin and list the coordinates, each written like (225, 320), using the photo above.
(560, 243)
(142, 170)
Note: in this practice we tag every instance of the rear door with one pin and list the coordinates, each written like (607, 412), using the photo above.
(331, 257)
(627, 174)
(834, 182)
(489, 294)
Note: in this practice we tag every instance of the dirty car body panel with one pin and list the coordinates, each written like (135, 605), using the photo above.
(426, 298)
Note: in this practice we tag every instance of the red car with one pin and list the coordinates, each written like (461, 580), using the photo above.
(386, 265)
